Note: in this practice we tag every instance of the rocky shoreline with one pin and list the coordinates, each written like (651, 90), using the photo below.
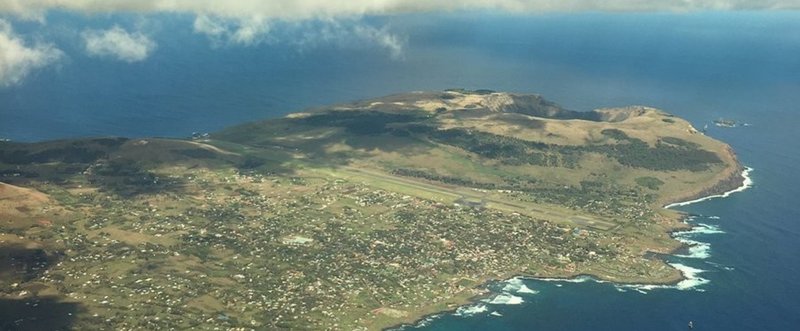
(734, 180)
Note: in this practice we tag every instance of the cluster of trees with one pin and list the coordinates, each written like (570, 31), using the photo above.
(649, 182)
(361, 122)
(509, 150)
(668, 154)
(432, 176)
(126, 178)
(83, 151)
(70, 154)
(474, 92)
(679, 142)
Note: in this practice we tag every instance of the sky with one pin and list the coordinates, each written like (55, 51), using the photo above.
(247, 23)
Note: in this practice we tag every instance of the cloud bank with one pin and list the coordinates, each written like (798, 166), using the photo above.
(243, 31)
(344, 33)
(18, 60)
(350, 34)
(302, 23)
(305, 9)
(119, 44)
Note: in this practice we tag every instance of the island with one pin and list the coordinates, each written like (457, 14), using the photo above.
(357, 216)
(725, 123)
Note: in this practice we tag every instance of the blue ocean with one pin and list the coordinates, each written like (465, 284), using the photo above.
(745, 66)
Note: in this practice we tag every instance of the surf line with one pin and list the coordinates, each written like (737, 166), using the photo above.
(746, 183)
(691, 280)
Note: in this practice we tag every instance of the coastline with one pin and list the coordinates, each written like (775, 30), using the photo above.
(741, 178)
(463, 303)
(484, 293)
(746, 182)
(734, 178)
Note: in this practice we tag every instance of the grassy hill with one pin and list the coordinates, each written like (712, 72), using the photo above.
(502, 141)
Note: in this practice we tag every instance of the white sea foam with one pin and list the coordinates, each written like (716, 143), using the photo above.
(513, 285)
(526, 290)
(746, 183)
(697, 250)
(579, 279)
(466, 311)
(691, 281)
(638, 287)
(517, 285)
(423, 323)
(720, 266)
(504, 299)
(702, 228)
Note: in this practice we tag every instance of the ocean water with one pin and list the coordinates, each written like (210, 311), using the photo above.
(745, 266)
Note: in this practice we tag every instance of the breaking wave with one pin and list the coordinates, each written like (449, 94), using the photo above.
(691, 281)
(505, 299)
(467, 311)
(517, 285)
(746, 183)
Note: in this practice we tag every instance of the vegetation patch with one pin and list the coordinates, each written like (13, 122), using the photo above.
(615, 133)
(679, 142)
(649, 182)
(474, 92)
(360, 122)
(76, 151)
(196, 153)
(433, 176)
(126, 178)
(628, 151)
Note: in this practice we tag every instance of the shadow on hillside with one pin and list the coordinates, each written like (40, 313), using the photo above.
(19, 264)
(38, 313)
(366, 131)
(53, 161)
(126, 178)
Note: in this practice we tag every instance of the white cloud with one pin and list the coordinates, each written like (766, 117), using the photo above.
(119, 44)
(305, 9)
(346, 34)
(251, 30)
(247, 31)
(210, 26)
(252, 22)
(383, 38)
(17, 59)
